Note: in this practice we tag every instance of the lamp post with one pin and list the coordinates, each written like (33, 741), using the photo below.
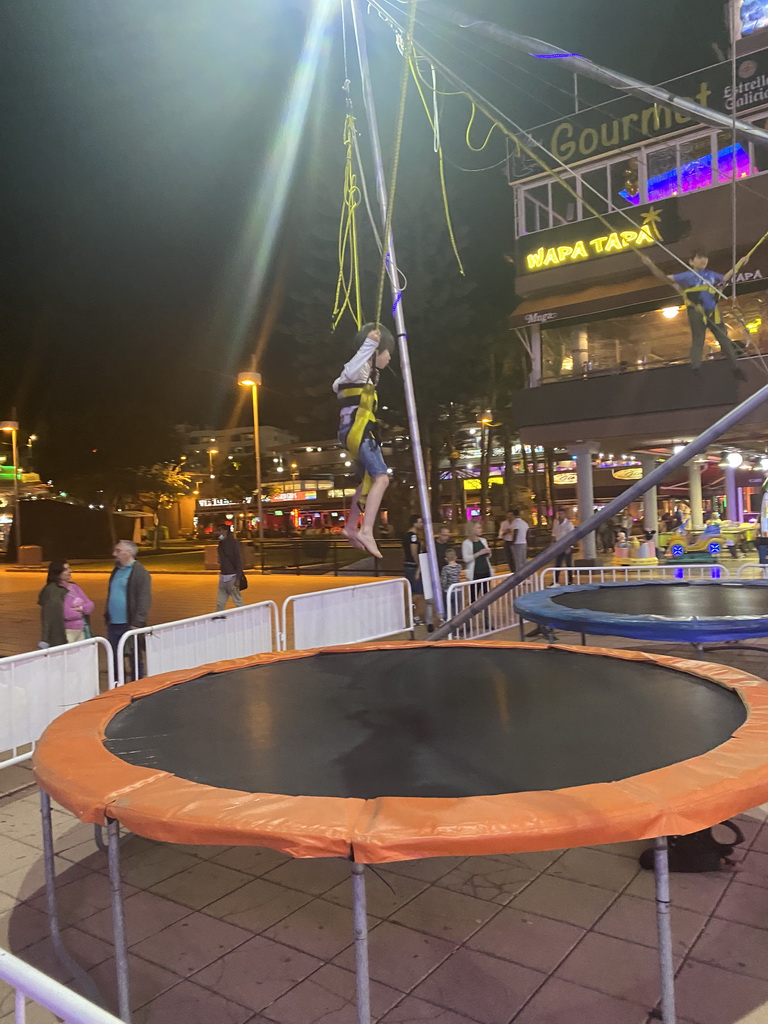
(211, 453)
(251, 379)
(12, 427)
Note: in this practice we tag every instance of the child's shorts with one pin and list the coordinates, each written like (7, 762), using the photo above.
(369, 459)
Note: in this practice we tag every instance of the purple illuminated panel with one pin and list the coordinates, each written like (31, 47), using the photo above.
(695, 175)
(754, 15)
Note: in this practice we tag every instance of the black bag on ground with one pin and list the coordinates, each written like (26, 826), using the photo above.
(699, 851)
(242, 582)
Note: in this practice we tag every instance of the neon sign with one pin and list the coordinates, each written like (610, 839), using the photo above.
(584, 249)
(291, 496)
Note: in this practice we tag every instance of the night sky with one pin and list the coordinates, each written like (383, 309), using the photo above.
(136, 140)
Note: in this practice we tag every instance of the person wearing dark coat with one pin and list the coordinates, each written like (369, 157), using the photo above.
(230, 569)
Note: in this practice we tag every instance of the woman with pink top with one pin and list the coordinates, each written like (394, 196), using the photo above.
(64, 608)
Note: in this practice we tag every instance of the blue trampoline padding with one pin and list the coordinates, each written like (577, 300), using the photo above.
(544, 608)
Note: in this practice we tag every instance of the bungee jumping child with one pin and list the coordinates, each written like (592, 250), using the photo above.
(700, 288)
(358, 433)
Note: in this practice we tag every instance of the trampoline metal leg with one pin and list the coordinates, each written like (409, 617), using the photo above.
(583, 639)
(664, 929)
(118, 921)
(522, 629)
(98, 838)
(84, 981)
(360, 922)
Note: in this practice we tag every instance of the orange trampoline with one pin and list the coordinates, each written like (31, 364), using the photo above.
(386, 752)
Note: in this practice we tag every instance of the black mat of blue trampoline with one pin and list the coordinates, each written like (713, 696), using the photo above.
(674, 600)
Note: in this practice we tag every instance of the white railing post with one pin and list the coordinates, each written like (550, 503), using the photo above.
(582, 574)
(37, 687)
(29, 983)
(752, 572)
(200, 640)
(500, 615)
(347, 615)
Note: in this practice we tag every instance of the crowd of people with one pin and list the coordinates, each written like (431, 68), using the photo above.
(471, 557)
(66, 610)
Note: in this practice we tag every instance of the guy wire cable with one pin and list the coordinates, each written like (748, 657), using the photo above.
(497, 118)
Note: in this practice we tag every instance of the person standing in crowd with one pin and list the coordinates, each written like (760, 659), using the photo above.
(442, 544)
(129, 594)
(476, 556)
(519, 541)
(230, 569)
(412, 548)
(561, 527)
(450, 574)
(64, 608)
(506, 530)
(514, 533)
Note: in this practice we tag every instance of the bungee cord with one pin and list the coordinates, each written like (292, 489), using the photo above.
(397, 148)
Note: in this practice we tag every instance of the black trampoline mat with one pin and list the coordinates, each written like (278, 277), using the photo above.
(426, 722)
(674, 600)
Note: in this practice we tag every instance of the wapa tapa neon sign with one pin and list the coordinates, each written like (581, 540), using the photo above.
(603, 245)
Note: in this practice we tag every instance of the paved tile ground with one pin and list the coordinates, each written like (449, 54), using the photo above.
(248, 936)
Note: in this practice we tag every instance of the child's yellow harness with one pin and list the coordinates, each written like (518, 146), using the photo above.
(365, 402)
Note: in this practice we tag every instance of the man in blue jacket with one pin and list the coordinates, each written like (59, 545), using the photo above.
(129, 596)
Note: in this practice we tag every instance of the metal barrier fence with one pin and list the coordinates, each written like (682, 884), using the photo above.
(29, 983)
(347, 615)
(37, 687)
(187, 643)
(500, 615)
(752, 572)
(563, 576)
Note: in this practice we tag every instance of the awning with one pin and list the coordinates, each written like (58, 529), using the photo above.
(637, 294)
(579, 302)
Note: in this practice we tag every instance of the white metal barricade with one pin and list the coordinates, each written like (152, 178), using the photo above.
(753, 572)
(563, 576)
(347, 615)
(500, 615)
(29, 983)
(37, 687)
(187, 643)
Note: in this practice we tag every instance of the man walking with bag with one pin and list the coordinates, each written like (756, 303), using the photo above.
(230, 569)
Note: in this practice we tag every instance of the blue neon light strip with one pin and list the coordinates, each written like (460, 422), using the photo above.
(553, 56)
(693, 176)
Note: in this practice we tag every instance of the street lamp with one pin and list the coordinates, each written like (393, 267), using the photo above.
(12, 427)
(211, 453)
(251, 379)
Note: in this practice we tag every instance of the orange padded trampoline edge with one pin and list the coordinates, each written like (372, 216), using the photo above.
(72, 764)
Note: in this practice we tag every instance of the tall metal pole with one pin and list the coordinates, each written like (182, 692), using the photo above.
(614, 79)
(257, 451)
(17, 503)
(397, 308)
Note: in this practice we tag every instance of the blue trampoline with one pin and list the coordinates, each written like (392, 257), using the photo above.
(693, 612)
